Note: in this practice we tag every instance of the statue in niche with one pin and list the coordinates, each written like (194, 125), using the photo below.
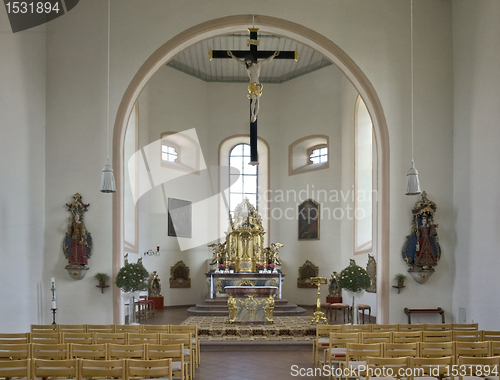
(334, 289)
(371, 269)
(154, 286)
(77, 244)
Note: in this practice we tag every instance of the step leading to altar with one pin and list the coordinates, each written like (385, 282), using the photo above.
(218, 307)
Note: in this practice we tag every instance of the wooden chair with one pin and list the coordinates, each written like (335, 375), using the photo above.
(44, 328)
(75, 337)
(376, 337)
(464, 326)
(410, 327)
(356, 328)
(187, 340)
(14, 338)
(322, 339)
(396, 350)
(467, 335)
(361, 309)
(128, 328)
(102, 369)
(174, 352)
(490, 335)
(73, 328)
(384, 327)
(437, 326)
(101, 328)
(436, 349)
(15, 369)
(126, 351)
(437, 336)
(117, 338)
(45, 337)
(426, 368)
(149, 369)
(494, 347)
(88, 351)
(356, 355)
(193, 330)
(476, 368)
(387, 368)
(165, 329)
(59, 351)
(344, 308)
(54, 369)
(336, 351)
(472, 349)
(406, 336)
(136, 338)
(15, 351)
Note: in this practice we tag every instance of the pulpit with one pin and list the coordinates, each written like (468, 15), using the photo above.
(249, 304)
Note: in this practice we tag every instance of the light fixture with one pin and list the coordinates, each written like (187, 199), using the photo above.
(108, 179)
(412, 184)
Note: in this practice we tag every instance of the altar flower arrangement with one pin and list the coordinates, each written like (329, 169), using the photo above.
(270, 267)
(259, 267)
(232, 266)
(132, 277)
(222, 266)
(354, 279)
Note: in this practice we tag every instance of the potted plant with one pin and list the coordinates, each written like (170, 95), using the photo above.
(354, 279)
(270, 267)
(131, 279)
(222, 267)
(102, 278)
(232, 267)
(400, 278)
(259, 268)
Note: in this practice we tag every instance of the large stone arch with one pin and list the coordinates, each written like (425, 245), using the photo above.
(240, 23)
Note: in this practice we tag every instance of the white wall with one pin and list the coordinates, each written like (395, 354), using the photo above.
(374, 34)
(22, 173)
(476, 33)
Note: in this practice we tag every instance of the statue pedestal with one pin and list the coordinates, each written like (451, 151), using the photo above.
(218, 282)
(249, 304)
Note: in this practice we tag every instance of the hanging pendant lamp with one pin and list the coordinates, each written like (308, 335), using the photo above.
(412, 182)
(108, 178)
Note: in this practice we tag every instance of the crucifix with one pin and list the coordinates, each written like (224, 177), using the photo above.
(250, 58)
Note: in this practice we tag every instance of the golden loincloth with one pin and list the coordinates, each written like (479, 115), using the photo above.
(254, 89)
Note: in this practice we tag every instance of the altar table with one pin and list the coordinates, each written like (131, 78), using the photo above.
(218, 282)
(248, 304)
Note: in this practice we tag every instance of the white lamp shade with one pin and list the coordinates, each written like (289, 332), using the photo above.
(412, 184)
(108, 180)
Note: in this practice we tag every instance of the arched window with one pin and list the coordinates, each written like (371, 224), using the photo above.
(363, 179)
(168, 153)
(253, 182)
(318, 154)
(244, 182)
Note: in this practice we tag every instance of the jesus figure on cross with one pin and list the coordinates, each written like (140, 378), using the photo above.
(254, 86)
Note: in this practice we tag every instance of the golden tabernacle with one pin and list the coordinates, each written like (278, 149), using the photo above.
(243, 248)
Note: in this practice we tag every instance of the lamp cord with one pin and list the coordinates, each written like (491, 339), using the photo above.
(411, 48)
(109, 33)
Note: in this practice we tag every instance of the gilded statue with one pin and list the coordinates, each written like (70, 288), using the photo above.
(154, 288)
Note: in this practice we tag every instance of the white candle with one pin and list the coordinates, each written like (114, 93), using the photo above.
(54, 304)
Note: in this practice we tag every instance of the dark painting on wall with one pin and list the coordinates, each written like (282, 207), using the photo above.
(309, 220)
(179, 218)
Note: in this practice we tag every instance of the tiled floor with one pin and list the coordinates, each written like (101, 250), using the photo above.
(244, 363)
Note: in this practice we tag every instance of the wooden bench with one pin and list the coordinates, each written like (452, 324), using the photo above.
(409, 312)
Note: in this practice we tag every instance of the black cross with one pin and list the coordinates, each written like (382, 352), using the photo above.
(253, 42)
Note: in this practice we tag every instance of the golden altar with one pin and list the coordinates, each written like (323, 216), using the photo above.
(248, 304)
(244, 245)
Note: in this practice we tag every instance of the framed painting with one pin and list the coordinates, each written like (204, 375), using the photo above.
(179, 218)
(309, 220)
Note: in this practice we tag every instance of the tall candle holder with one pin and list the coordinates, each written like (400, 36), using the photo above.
(318, 314)
(54, 308)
